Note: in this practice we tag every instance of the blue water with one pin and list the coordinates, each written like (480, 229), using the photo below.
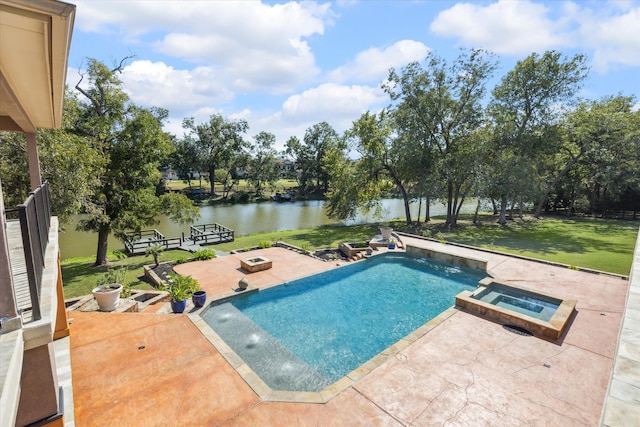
(331, 323)
(520, 301)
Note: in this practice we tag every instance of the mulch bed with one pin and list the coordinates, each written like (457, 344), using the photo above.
(330, 254)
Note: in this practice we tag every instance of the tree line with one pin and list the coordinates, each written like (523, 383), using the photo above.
(529, 142)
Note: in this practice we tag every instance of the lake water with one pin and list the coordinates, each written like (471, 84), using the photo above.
(251, 218)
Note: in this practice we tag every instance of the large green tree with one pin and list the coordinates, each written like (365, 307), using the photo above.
(602, 140)
(439, 107)
(130, 143)
(319, 139)
(525, 108)
(382, 161)
(67, 163)
(263, 166)
(218, 141)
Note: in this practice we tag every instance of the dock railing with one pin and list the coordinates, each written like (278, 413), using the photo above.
(211, 233)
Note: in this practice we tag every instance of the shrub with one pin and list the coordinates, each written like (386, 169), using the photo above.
(203, 255)
(180, 260)
(119, 254)
(264, 244)
(112, 276)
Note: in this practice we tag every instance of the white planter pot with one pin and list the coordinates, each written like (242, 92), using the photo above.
(386, 232)
(107, 298)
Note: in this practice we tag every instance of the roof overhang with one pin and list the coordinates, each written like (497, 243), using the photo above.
(35, 37)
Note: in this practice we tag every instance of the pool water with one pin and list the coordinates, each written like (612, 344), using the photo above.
(306, 334)
(520, 301)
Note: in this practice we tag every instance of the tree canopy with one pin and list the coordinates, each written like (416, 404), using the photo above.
(129, 144)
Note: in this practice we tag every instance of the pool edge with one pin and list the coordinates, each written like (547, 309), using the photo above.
(267, 394)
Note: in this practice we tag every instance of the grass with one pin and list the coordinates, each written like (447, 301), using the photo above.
(80, 276)
(605, 245)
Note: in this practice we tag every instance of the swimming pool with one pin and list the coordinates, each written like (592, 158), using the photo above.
(306, 334)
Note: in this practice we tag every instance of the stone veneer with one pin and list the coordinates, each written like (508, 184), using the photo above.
(475, 263)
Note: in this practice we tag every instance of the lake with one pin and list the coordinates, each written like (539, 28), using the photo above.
(250, 218)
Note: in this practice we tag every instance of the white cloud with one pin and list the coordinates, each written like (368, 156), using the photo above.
(372, 65)
(253, 45)
(606, 31)
(508, 27)
(614, 38)
(157, 84)
(336, 104)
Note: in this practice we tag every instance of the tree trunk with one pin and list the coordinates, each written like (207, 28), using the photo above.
(495, 207)
(212, 174)
(405, 197)
(103, 241)
(419, 210)
(449, 205)
(521, 209)
(503, 210)
(427, 209)
(475, 215)
(557, 179)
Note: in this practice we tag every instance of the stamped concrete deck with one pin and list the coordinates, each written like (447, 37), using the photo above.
(158, 369)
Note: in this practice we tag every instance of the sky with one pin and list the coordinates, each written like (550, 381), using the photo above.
(285, 66)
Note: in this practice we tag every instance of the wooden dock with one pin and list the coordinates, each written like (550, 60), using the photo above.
(203, 234)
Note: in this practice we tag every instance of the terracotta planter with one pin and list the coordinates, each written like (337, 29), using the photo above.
(107, 296)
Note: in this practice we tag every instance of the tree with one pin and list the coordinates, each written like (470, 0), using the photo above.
(439, 108)
(382, 160)
(603, 139)
(186, 158)
(263, 167)
(131, 144)
(309, 155)
(67, 163)
(218, 141)
(525, 107)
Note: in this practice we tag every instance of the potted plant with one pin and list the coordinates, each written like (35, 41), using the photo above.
(180, 288)
(392, 243)
(107, 293)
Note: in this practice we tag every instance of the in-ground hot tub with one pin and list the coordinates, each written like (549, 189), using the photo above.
(544, 315)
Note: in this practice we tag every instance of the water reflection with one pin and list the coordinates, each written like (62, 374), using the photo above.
(247, 219)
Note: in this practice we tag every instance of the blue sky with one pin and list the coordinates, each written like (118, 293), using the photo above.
(284, 66)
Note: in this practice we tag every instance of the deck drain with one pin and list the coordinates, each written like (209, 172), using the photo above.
(517, 330)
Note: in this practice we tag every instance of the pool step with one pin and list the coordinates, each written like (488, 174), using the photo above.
(263, 353)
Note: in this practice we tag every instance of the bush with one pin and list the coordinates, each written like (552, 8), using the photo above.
(203, 255)
(119, 254)
(264, 244)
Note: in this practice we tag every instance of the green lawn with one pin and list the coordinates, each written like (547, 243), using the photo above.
(605, 245)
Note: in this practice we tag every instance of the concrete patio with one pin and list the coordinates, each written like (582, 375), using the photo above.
(159, 369)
